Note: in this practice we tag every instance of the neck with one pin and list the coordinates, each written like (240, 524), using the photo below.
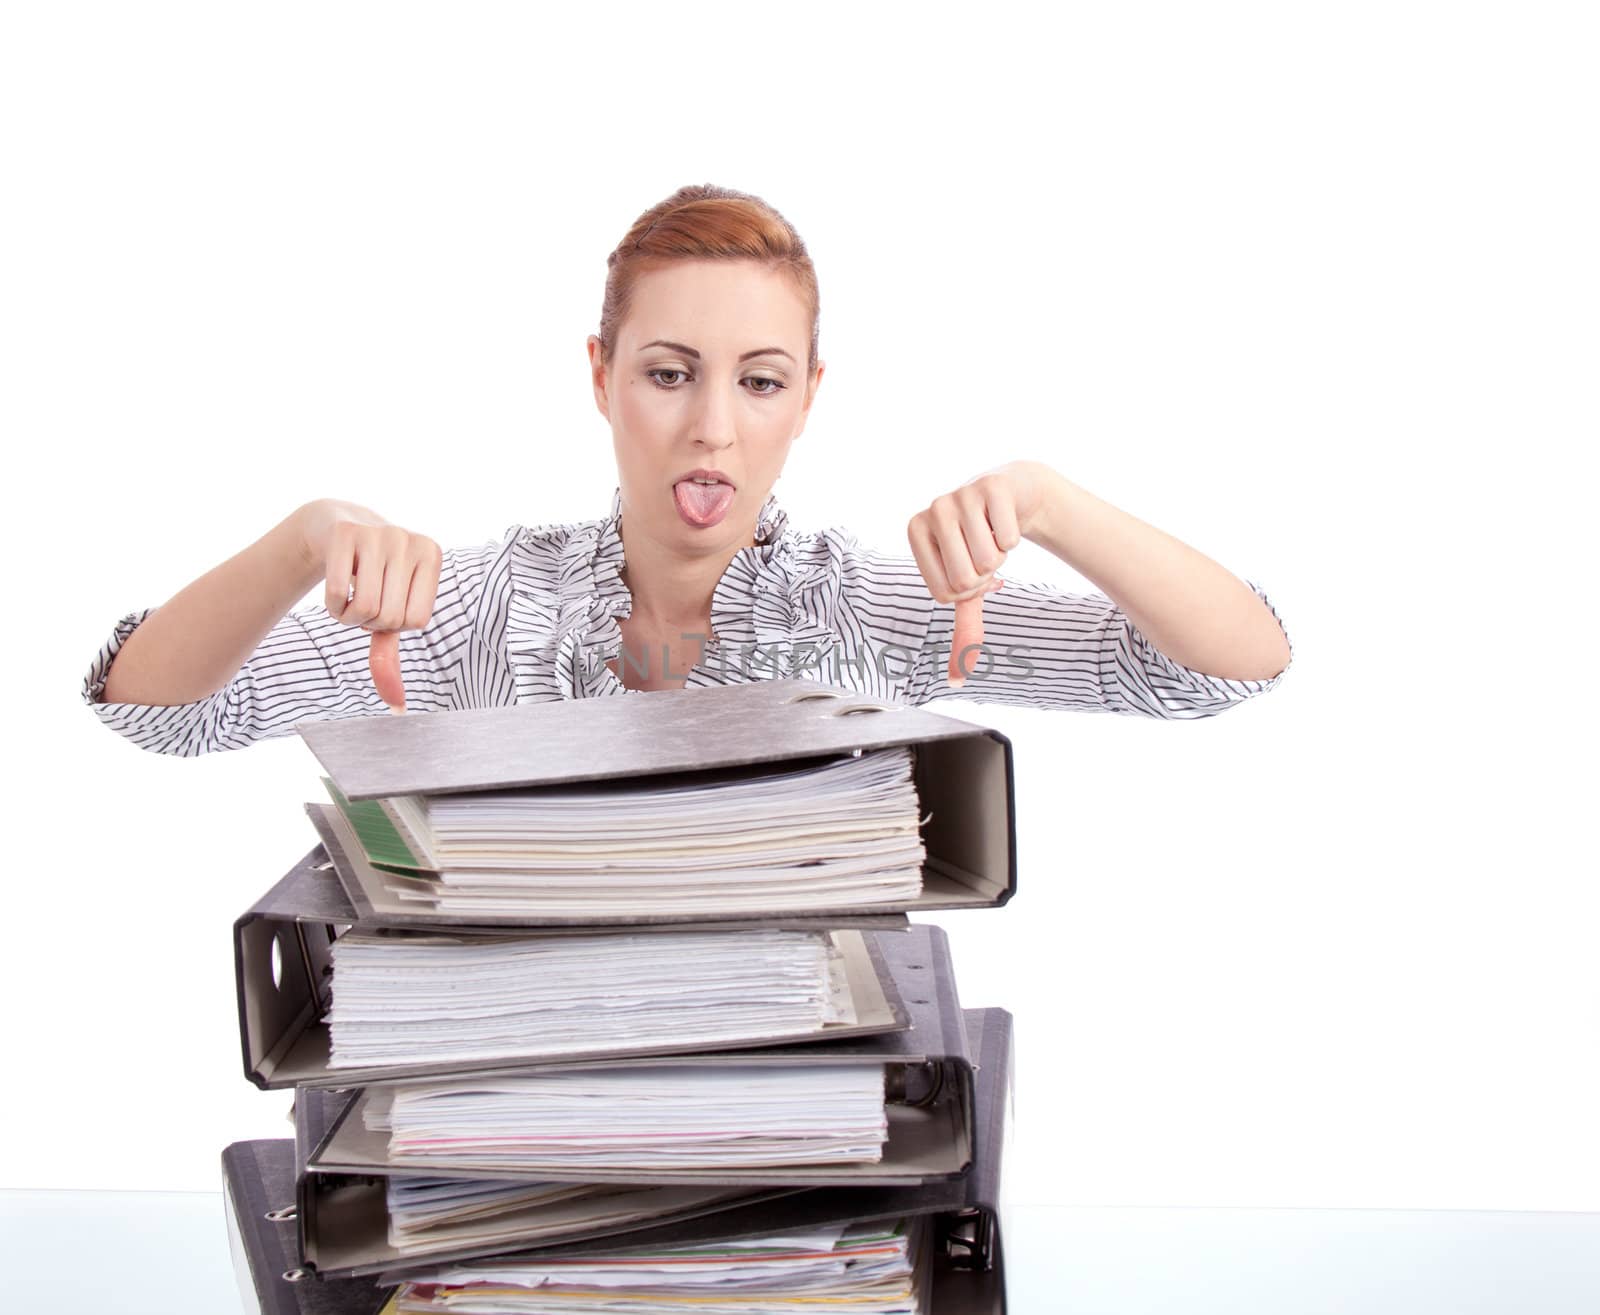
(670, 589)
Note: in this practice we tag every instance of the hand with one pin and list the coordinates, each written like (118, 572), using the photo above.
(378, 576)
(962, 539)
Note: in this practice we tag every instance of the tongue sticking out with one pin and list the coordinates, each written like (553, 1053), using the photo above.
(702, 504)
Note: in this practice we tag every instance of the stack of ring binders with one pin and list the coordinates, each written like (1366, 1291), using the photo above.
(313, 1220)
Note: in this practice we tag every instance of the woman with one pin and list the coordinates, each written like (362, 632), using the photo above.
(706, 368)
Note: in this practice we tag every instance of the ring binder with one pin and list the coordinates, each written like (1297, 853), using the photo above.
(963, 775)
(968, 1276)
(931, 1136)
(310, 1218)
(284, 1036)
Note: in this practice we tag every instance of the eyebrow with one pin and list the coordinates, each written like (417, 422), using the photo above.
(690, 351)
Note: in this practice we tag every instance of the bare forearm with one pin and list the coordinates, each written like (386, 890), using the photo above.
(1192, 609)
(195, 644)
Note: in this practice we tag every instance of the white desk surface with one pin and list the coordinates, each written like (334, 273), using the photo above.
(72, 1252)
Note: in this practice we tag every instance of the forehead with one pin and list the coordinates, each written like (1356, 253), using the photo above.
(712, 304)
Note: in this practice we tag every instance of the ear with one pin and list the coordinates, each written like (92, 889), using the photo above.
(597, 376)
(811, 396)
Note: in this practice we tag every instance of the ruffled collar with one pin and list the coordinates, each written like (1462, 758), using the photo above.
(607, 560)
(766, 596)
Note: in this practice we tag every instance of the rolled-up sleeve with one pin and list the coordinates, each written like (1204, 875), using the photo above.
(308, 666)
(1042, 646)
(1149, 683)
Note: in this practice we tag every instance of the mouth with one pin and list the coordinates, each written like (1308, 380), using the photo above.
(703, 497)
(703, 476)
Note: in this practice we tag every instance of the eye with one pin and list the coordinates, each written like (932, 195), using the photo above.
(769, 386)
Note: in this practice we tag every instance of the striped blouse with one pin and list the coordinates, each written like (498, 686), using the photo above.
(533, 616)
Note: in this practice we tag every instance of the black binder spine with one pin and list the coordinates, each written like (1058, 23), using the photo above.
(258, 1179)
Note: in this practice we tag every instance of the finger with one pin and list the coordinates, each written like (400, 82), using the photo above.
(362, 608)
(950, 541)
(1003, 520)
(397, 573)
(979, 532)
(928, 562)
(339, 570)
(384, 663)
(424, 589)
(989, 585)
(966, 640)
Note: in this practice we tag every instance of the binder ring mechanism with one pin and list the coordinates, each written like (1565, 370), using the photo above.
(852, 710)
(918, 1086)
(283, 1215)
(968, 1239)
(293, 1275)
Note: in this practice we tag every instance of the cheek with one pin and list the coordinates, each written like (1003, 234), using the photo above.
(782, 420)
(638, 408)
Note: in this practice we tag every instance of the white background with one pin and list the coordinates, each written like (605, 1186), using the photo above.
(1312, 288)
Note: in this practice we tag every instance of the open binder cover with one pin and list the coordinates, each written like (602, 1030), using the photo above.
(962, 772)
(929, 1082)
(283, 963)
(968, 1276)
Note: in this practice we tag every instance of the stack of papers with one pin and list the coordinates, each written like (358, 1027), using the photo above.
(439, 1214)
(841, 834)
(862, 1269)
(648, 1118)
(416, 997)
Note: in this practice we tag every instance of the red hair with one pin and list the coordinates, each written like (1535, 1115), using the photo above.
(703, 222)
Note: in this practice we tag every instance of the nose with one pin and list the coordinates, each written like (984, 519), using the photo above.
(714, 421)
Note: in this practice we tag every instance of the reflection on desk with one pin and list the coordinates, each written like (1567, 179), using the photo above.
(93, 1253)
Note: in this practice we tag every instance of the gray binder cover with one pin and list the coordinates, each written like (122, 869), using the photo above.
(963, 772)
(283, 964)
(969, 1264)
(968, 1276)
(930, 1110)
